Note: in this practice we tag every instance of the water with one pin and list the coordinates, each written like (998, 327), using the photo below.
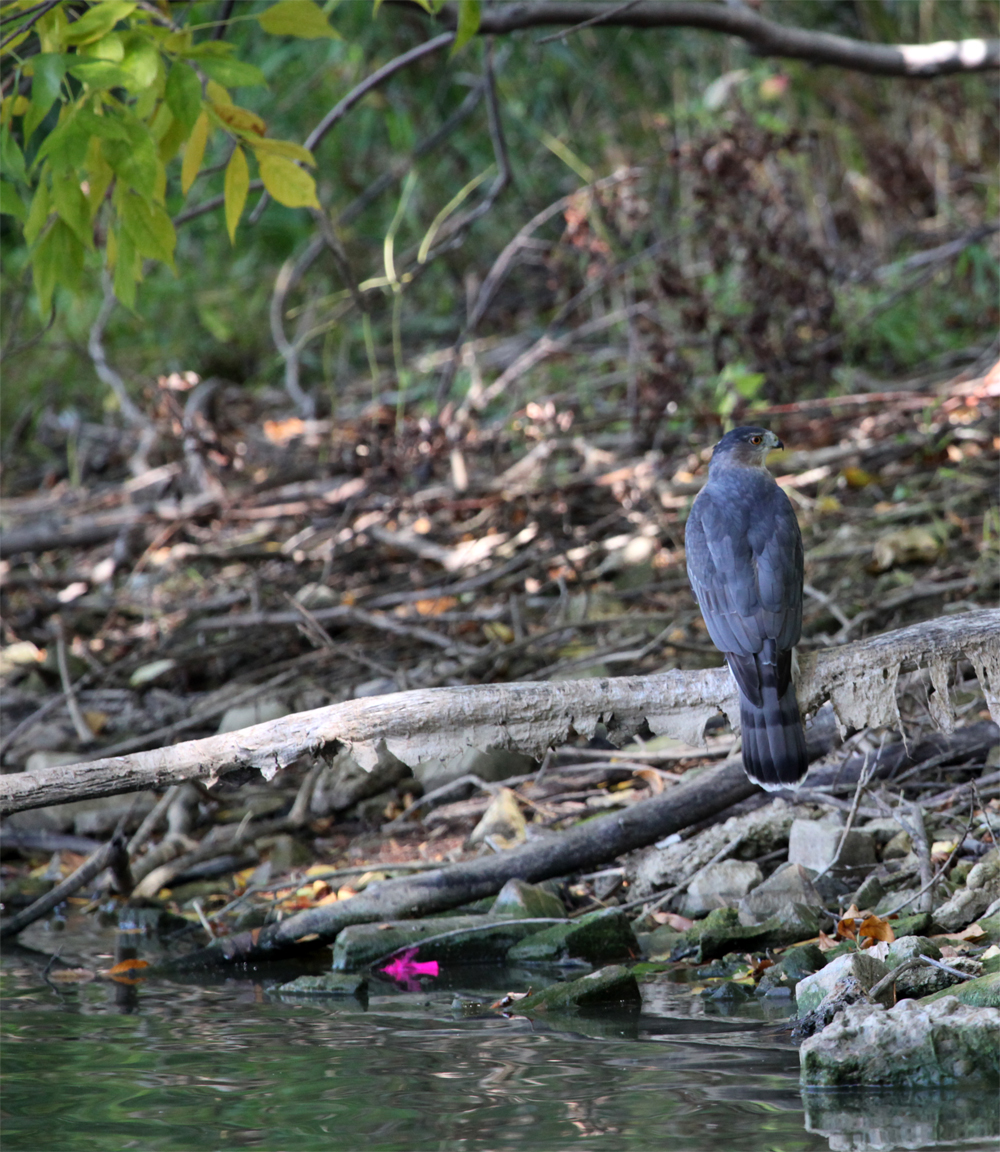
(168, 1067)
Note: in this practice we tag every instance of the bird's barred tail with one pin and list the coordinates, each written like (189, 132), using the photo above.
(774, 743)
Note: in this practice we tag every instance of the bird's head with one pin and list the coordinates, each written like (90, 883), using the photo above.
(747, 447)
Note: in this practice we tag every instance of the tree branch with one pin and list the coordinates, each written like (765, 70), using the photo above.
(765, 37)
(860, 680)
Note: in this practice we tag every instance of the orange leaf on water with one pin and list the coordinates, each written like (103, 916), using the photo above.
(126, 966)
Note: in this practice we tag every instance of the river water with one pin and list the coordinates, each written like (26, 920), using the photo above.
(159, 1066)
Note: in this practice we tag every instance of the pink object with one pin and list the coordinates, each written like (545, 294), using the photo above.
(405, 969)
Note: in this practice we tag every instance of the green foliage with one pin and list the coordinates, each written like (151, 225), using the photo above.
(118, 91)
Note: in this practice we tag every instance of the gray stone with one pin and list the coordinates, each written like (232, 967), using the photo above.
(982, 889)
(913, 1045)
(345, 783)
(901, 900)
(328, 984)
(85, 817)
(449, 939)
(789, 885)
(517, 899)
(813, 844)
(660, 943)
(881, 829)
(897, 847)
(721, 932)
(491, 765)
(905, 948)
(597, 937)
(613, 986)
(246, 715)
(794, 965)
(869, 893)
(763, 830)
(42, 759)
(812, 990)
(721, 885)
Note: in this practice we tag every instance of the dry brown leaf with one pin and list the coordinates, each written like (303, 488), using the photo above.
(652, 778)
(875, 928)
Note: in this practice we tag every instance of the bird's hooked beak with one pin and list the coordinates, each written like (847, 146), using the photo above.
(773, 442)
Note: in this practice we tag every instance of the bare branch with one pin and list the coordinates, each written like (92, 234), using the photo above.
(765, 36)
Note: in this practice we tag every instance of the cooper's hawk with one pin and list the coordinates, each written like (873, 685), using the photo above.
(744, 561)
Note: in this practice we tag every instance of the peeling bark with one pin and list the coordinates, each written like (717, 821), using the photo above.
(530, 717)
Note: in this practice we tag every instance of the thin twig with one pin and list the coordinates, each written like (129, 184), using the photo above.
(600, 18)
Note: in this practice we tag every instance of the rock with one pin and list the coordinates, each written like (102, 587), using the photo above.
(517, 899)
(95, 818)
(728, 992)
(316, 596)
(763, 830)
(491, 765)
(898, 846)
(502, 824)
(614, 986)
(39, 761)
(596, 938)
(794, 965)
(789, 885)
(329, 984)
(813, 844)
(865, 970)
(905, 948)
(982, 888)
(902, 899)
(246, 715)
(881, 829)
(466, 940)
(869, 893)
(721, 932)
(983, 992)
(720, 885)
(659, 943)
(913, 1045)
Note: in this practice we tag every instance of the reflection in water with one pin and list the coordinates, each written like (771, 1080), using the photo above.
(236, 1065)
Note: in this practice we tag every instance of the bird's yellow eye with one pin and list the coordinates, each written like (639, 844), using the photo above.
(754, 439)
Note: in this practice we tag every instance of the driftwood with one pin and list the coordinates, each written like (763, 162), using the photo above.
(584, 846)
(859, 679)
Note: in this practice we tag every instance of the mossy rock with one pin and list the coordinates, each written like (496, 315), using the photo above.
(328, 984)
(597, 938)
(983, 992)
(517, 899)
(614, 986)
(721, 932)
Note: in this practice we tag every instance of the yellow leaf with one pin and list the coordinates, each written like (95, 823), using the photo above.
(194, 152)
(240, 119)
(287, 182)
(301, 18)
(237, 185)
(217, 94)
(283, 148)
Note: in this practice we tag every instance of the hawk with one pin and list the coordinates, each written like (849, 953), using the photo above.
(744, 561)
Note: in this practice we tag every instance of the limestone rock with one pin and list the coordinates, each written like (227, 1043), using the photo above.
(456, 940)
(721, 885)
(913, 1045)
(814, 843)
(518, 899)
(789, 885)
(595, 938)
(812, 990)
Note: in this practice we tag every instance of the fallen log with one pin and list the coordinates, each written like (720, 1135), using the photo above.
(859, 679)
(585, 846)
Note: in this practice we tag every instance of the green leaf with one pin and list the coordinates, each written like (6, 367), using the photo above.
(72, 206)
(468, 24)
(65, 145)
(128, 269)
(58, 258)
(149, 228)
(100, 74)
(287, 182)
(108, 127)
(110, 48)
(11, 203)
(237, 185)
(49, 69)
(194, 153)
(301, 18)
(11, 157)
(183, 94)
(97, 21)
(141, 63)
(232, 73)
(38, 213)
(134, 161)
